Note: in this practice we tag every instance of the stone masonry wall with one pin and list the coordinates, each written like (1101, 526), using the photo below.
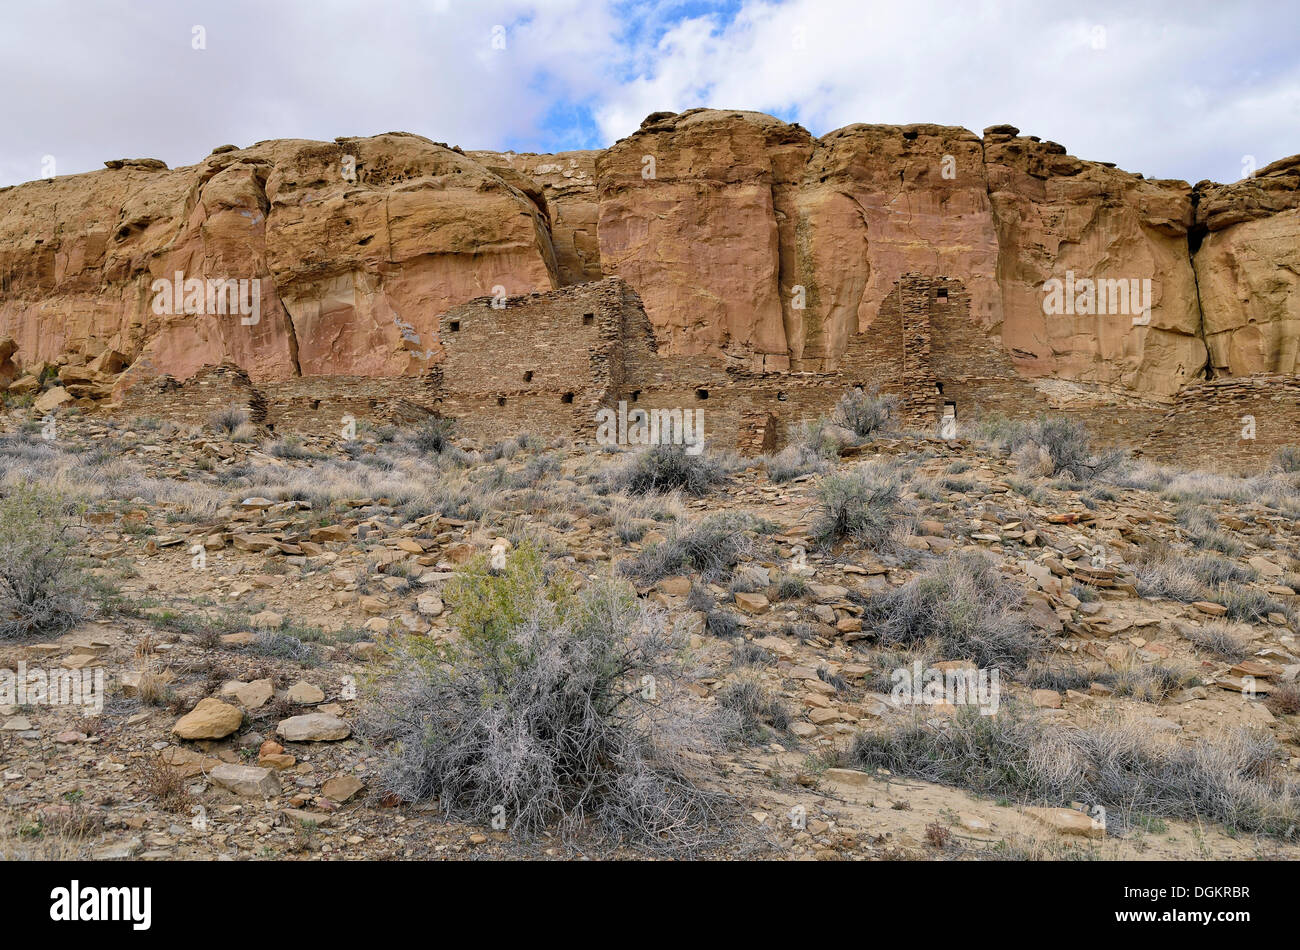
(1209, 422)
(545, 363)
(537, 362)
(210, 390)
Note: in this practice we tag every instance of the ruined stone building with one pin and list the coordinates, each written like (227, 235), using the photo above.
(547, 362)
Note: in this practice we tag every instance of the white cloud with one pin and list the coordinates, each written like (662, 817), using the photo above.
(1180, 89)
(1172, 90)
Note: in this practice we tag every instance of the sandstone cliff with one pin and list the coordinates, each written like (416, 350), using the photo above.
(1248, 270)
(357, 246)
(744, 235)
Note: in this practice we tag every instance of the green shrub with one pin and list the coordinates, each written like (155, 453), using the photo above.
(1115, 764)
(664, 468)
(290, 447)
(1162, 573)
(1212, 570)
(861, 505)
(42, 589)
(1068, 445)
(229, 420)
(489, 604)
(1248, 604)
(1064, 441)
(434, 437)
(1287, 459)
(753, 709)
(1203, 529)
(711, 546)
(961, 607)
(794, 460)
(865, 412)
(552, 708)
(790, 587)
(1217, 637)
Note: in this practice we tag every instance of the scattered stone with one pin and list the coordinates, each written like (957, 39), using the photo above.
(429, 604)
(52, 399)
(252, 695)
(1046, 698)
(118, 850)
(342, 788)
(1067, 821)
(854, 777)
(267, 620)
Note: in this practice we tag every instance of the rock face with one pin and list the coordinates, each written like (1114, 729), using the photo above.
(688, 216)
(356, 247)
(746, 238)
(1248, 270)
(1057, 216)
(567, 182)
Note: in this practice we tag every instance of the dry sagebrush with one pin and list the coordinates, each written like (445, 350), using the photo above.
(1235, 779)
(553, 710)
(962, 607)
(42, 589)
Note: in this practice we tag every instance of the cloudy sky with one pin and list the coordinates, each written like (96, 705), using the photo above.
(1180, 89)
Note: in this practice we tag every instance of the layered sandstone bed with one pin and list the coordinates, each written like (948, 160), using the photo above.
(745, 236)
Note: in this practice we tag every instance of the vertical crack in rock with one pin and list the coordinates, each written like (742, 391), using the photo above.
(1196, 233)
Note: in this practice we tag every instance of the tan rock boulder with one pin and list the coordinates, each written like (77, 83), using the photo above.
(313, 727)
(341, 788)
(8, 369)
(210, 719)
(252, 695)
(249, 781)
(53, 398)
(24, 385)
(1067, 821)
(305, 694)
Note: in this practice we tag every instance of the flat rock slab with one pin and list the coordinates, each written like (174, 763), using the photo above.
(247, 780)
(252, 695)
(1067, 821)
(313, 727)
(341, 788)
(305, 694)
